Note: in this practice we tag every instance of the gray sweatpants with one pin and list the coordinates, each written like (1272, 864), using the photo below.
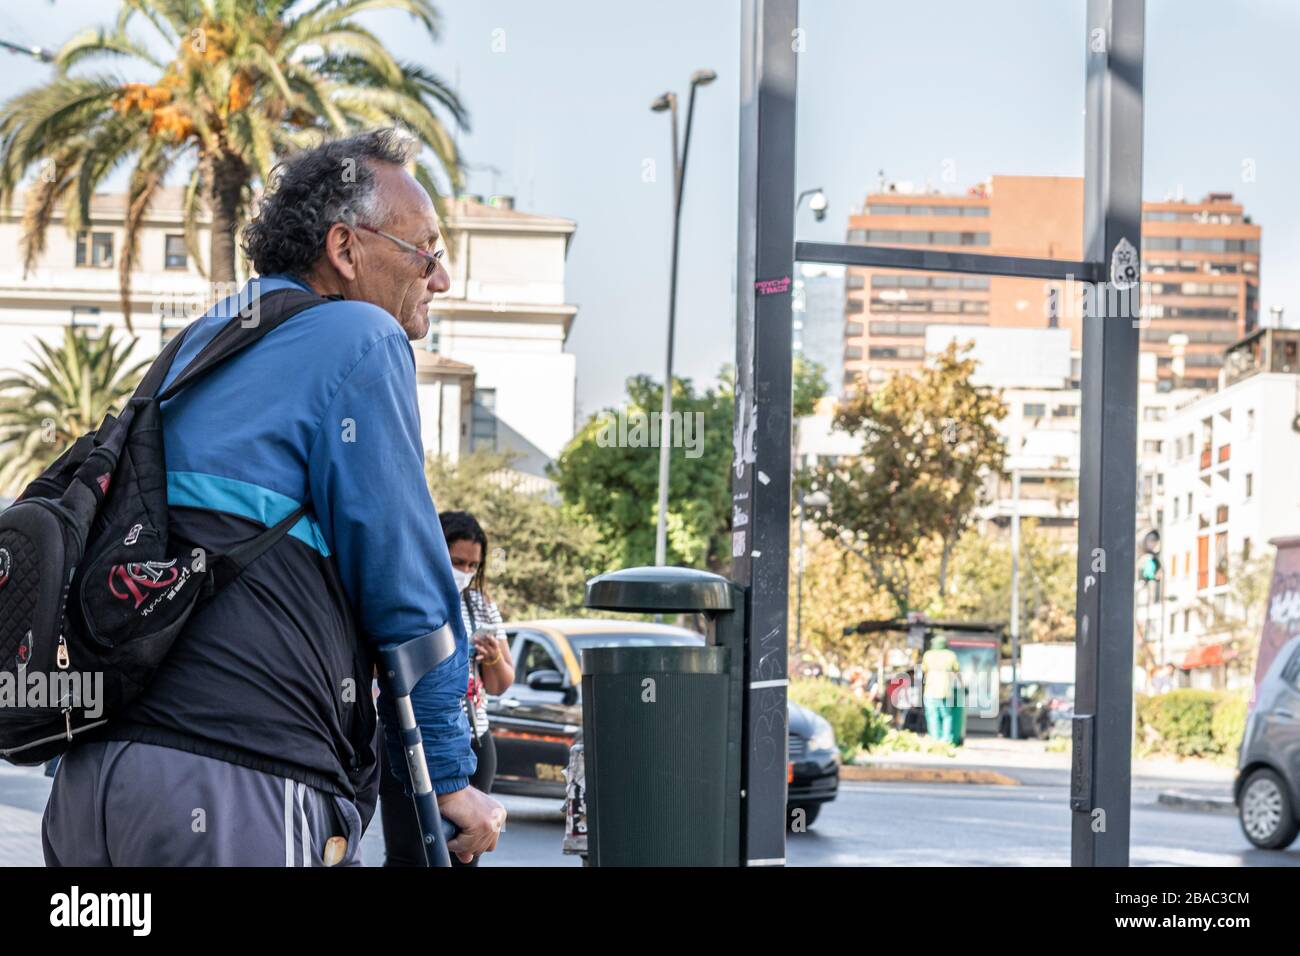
(120, 803)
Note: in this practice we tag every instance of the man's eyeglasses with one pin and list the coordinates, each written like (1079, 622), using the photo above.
(431, 260)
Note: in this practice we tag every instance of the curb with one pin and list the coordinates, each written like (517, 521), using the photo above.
(1183, 801)
(897, 774)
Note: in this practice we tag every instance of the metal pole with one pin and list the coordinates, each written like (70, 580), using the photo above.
(1015, 603)
(760, 545)
(665, 418)
(1100, 786)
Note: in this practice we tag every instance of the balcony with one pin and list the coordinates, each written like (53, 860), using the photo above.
(1207, 457)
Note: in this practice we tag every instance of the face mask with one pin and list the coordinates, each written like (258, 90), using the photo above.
(463, 578)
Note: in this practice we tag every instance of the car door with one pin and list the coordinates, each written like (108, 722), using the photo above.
(533, 727)
(1284, 720)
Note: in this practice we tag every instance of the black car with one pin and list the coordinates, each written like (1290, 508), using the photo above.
(539, 718)
(1036, 717)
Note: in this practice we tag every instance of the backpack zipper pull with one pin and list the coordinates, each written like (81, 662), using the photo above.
(67, 717)
(62, 655)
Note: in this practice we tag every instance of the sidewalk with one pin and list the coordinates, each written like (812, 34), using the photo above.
(1029, 762)
(23, 794)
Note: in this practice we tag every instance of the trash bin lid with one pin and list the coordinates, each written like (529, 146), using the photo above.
(660, 589)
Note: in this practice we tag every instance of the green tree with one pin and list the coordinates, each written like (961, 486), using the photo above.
(838, 592)
(929, 440)
(539, 556)
(808, 385)
(66, 393)
(980, 583)
(234, 86)
(609, 474)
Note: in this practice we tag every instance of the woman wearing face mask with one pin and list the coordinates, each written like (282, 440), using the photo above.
(491, 671)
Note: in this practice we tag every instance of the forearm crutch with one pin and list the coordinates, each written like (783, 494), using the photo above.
(400, 668)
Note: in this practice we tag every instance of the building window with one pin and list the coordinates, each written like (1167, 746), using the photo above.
(1250, 485)
(1221, 558)
(1035, 409)
(86, 319)
(483, 427)
(1068, 411)
(175, 255)
(95, 249)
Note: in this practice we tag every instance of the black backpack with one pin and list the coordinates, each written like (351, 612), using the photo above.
(93, 591)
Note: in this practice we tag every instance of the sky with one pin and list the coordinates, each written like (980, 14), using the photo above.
(944, 92)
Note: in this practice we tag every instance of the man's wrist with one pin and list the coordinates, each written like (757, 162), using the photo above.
(445, 788)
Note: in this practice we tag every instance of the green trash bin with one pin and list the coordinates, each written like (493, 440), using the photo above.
(655, 744)
(662, 727)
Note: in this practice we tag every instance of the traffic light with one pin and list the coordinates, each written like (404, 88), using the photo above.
(1149, 563)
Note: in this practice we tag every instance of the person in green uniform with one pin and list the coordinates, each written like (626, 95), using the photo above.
(940, 668)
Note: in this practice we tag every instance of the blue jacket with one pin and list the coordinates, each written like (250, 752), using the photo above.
(275, 672)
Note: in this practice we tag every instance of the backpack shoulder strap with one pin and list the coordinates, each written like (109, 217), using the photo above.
(271, 310)
(230, 565)
(157, 372)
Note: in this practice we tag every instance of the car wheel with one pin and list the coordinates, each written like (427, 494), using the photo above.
(1267, 817)
(809, 815)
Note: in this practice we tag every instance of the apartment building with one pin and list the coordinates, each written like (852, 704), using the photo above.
(1230, 467)
(506, 316)
(1200, 273)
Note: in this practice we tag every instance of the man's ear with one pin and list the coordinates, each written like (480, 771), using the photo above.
(342, 251)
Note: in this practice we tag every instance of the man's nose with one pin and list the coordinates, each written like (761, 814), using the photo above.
(440, 281)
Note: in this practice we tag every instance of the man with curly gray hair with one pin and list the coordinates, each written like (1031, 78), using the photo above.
(255, 743)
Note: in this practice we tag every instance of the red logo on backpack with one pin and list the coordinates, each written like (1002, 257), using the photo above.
(138, 579)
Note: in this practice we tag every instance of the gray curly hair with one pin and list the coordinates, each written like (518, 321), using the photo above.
(315, 188)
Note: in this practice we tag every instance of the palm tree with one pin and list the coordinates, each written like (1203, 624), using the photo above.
(67, 392)
(238, 84)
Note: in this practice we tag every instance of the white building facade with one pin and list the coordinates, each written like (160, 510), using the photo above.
(1230, 482)
(506, 316)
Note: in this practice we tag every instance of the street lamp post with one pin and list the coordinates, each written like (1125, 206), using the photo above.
(1015, 603)
(668, 102)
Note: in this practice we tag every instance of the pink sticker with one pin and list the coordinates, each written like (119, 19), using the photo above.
(772, 286)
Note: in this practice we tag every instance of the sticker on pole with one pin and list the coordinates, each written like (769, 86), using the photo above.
(1124, 272)
(772, 286)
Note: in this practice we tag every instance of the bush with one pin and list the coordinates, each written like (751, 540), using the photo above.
(838, 705)
(1191, 723)
(905, 741)
(1229, 724)
(878, 727)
